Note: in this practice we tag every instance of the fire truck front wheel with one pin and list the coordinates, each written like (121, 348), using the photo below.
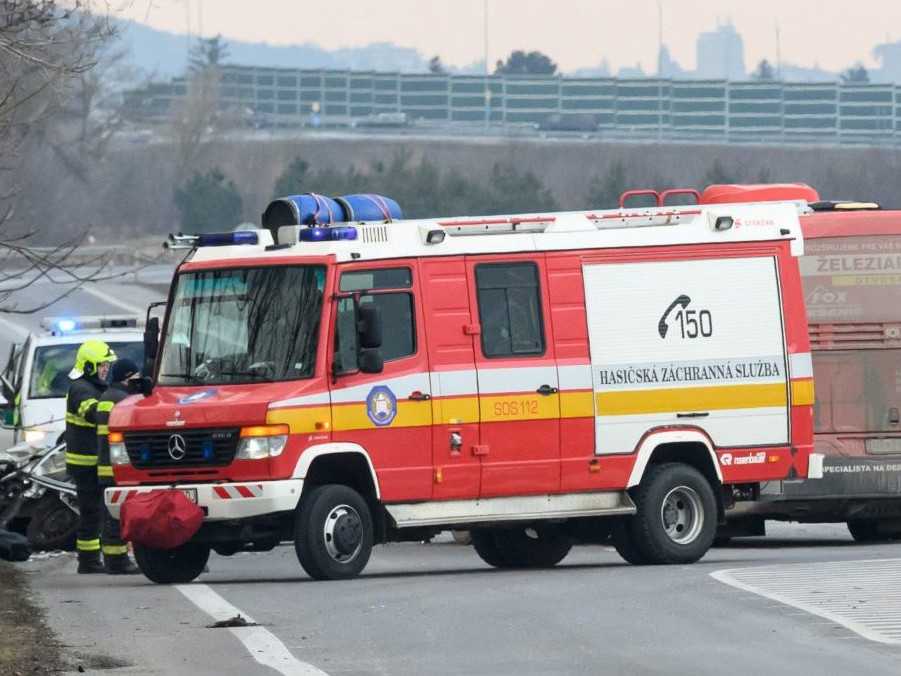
(333, 533)
(172, 566)
(677, 518)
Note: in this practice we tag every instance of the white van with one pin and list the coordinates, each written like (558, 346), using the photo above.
(37, 373)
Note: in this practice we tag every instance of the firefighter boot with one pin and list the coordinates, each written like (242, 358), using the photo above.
(89, 563)
(120, 565)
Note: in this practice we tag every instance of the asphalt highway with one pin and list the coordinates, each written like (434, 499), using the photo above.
(805, 600)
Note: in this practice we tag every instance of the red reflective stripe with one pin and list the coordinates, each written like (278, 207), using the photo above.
(115, 498)
(245, 491)
(222, 492)
(499, 221)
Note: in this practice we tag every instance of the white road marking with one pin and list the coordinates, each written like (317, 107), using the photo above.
(15, 328)
(262, 644)
(92, 290)
(859, 595)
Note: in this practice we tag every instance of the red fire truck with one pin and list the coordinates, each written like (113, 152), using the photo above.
(851, 272)
(541, 380)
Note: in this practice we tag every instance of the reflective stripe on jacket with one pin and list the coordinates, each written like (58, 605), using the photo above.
(81, 422)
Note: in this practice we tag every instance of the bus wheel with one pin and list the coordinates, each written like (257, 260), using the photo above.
(532, 547)
(867, 530)
(172, 566)
(333, 533)
(676, 519)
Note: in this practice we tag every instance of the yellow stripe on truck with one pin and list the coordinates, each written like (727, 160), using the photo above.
(307, 420)
(802, 392)
(577, 404)
(715, 398)
(449, 411)
(354, 416)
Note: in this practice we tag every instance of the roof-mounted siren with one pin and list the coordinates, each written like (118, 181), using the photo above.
(760, 192)
(307, 209)
(286, 217)
(369, 208)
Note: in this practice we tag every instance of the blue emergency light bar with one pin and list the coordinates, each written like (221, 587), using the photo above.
(238, 238)
(335, 233)
(242, 237)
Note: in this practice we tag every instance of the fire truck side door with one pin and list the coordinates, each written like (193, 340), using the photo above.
(455, 407)
(519, 400)
(388, 413)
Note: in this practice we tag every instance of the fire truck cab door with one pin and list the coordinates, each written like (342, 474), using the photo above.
(694, 343)
(518, 384)
(389, 414)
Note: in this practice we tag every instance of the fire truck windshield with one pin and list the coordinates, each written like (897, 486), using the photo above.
(243, 325)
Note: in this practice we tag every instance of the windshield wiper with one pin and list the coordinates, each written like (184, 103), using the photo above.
(246, 374)
(187, 377)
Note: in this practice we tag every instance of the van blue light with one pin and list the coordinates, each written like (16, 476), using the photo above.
(66, 325)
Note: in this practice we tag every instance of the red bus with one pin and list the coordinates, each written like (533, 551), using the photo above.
(851, 273)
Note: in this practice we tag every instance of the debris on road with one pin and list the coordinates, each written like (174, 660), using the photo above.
(236, 621)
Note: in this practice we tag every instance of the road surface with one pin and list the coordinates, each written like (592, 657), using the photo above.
(437, 609)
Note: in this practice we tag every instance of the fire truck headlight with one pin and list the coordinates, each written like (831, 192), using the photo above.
(118, 455)
(263, 441)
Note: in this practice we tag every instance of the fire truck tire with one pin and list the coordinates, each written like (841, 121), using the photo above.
(172, 566)
(624, 543)
(333, 533)
(867, 530)
(676, 520)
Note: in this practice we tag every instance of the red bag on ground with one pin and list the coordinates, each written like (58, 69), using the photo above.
(160, 519)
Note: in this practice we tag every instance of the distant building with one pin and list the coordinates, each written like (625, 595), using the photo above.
(889, 55)
(721, 54)
(667, 66)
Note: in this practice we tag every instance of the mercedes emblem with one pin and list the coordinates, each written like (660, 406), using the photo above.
(177, 447)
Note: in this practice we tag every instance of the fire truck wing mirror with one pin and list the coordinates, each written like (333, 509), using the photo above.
(151, 341)
(151, 348)
(369, 327)
(371, 361)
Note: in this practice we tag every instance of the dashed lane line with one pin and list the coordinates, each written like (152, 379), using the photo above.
(261, 643)
(862, 596)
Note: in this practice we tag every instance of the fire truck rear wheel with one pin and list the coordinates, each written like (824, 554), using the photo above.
(333, 533)
(867, 530)
(676, 520)
(172, 566)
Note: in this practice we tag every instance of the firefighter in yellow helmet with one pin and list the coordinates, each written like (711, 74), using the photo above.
(92, 363)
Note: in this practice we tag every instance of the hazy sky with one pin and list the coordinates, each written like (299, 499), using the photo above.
(575, 33)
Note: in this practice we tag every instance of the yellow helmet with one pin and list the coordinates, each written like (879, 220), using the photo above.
(90, 356)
